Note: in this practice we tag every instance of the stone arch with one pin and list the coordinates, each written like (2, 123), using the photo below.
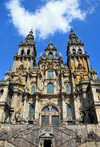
(80, 51)
(74, 51)
(50, 55)
(28, 52)
(51, 104)
(50, 115)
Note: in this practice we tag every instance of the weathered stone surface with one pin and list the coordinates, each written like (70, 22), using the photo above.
(62, 136)
(35, 100)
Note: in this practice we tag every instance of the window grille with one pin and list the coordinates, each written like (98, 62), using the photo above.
(55, 120)
(31, 111)
(50, 74)
(45, 120)
(33, 90)
(67, 90)
(50, 89)
(69, 111)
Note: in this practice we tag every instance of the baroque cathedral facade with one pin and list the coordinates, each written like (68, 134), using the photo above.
(52, 92)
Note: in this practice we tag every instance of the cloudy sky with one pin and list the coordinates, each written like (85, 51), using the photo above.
(50, 20)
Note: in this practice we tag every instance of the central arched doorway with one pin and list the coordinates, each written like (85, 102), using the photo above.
(50, 115)
(47, 143)
(46, 137)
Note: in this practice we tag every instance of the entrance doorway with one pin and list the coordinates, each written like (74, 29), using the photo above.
(47, 143)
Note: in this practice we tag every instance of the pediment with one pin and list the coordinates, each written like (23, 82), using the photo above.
(46, 135)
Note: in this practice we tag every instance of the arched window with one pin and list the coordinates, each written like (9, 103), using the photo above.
(74, 51)
(22, 52)
(67, 90)
(69, 111)
(33, 90)
(28, 52)
(31, 111)
(50, 89)
(50, 74)
(1, 91)
(53, 108)
(50, 56)
(46, 109)
(80, 51)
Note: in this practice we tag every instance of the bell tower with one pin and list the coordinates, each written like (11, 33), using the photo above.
(78, 60)
(26, 55)
(78, 64)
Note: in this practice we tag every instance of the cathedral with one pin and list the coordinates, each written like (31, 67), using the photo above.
(52, 92)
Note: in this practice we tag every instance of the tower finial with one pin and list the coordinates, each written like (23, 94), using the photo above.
(71, 30)
(73, 36)
(32, 28)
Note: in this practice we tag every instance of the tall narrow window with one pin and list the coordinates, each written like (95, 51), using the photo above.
(67, 90)
(22, 52)
(31, 111)
(74, 51)
(80, 51)
(1, 92)
(33, 90)
(28, 52)
(45, 120)
(55, 120)
(50, 74)
(69, 111)
(50, 89)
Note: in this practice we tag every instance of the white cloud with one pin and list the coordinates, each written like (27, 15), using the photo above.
(55, 15)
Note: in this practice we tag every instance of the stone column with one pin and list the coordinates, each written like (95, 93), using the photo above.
(2, 115)
(76, 109)
(37, 107)
(75, 62)
(84, 100)
(31, 63)
(4, 100)
(97, 109)
(63, 109)
(14, 100)
(62, 82)
(13, 105)
(24, 111)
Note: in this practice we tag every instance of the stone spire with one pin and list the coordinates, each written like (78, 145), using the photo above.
(29, 40)
(50, 45)
(73, 37)
(30, 37)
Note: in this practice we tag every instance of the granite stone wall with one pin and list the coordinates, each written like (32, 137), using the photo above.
(62, 136)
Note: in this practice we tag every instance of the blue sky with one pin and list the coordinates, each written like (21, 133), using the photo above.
(51, 20)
